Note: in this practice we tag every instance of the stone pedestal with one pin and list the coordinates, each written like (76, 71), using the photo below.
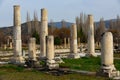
(17, 59)
(73, 42)
(43, 33)
(91, 46)
(51, 64)
(107, 68)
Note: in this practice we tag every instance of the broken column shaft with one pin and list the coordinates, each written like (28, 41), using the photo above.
(50, 53)
(32, 49)
(107, 67)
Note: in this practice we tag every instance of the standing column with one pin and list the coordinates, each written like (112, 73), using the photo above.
(43, 32)
(107, 59)
(50, 53)
(32, 49)
(65, 43)
(91, 46)
(17, 36)
(73, 42)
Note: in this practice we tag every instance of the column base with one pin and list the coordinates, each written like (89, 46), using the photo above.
(109, 71)
(91, 55)
(51, 64)
(74, 55)
(32, 63)
(58, 60)
(42, 58)
(18, 60)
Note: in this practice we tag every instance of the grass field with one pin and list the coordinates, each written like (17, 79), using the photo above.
(87, 64)
(13, 72)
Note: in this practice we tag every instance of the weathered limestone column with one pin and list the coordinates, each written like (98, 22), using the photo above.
(50, 53)
(32, 49)
(91, 46)
(65, 43)
(43, 32)
(73, 42)
(107, 67)
(18, 59)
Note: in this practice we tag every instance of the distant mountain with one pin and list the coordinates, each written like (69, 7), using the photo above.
(59, 24)
(107, 22)
(8, 30)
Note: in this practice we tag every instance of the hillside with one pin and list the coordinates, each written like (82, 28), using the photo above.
(8, 30)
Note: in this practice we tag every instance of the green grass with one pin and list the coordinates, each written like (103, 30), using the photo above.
(11, 73)
(10, 67)
(87, 64)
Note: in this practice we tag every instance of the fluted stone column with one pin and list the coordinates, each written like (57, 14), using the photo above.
(32, 49)
(43, 32)
(73, 42)
(91, 45)
(65, 43)
(50, 53)
(17, 36)
(107, 58)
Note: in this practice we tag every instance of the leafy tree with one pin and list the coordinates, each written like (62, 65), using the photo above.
(57, 41)
(36, 35)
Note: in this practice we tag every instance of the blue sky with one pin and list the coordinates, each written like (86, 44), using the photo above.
(59, 9)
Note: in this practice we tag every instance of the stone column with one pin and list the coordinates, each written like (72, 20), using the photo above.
(65, 43)
(73, 42)
(107, 67)
(50, 53)
(32, 49)
(43, 32)
(91, 46)
(18, 59)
